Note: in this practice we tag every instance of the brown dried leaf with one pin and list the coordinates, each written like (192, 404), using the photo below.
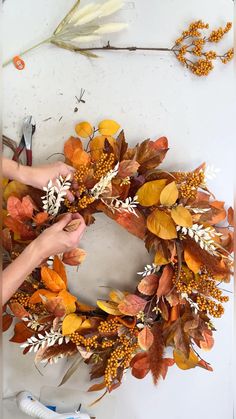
(97, 387)
(165, 282)
(21, 333)
(18, 310)
(132, 305)
(6, 321)
(148, 285)
(145, 338)
(128, 168)
(73, 225)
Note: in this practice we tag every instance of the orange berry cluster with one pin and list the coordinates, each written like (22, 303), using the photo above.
(205, 285)
(108, 326)
(217, 34)
(20, 297)
(228, 56)
(192, 180)
(104, 165)
(120, 357)
(202, 67)
(194, 48)
(80, 340)
(213, 308)
(81, 173)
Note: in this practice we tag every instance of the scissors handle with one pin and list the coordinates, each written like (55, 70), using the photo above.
(17, 153)
(29, 157)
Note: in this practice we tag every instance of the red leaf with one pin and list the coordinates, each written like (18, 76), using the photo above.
(132, 304)
(21, 210)
(6, 322)
(133, 224)
(140, 365)
(230, 216)
(165, 282)
(128, 168)
(166, 363)
(97, 387)
(25, 231)
(55, 306)
(205, 365)
(148, 285)
(41, 217)
(21, 333)
(18, 310)
(145, 338)
(160, 143)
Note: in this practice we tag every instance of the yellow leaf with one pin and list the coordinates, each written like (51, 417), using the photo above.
(191, 260)
(149, 193)
(4, 182)
(159, 258)
(116, 296)
(97, 145)
(161, 224)
(85, 325)
(84, 129)
(169, 194)
(109, 307)
(71, 323)
(183, 362)
(15, 188)
(68, 300)
(108, 127)
(52, 280)
(182, 216)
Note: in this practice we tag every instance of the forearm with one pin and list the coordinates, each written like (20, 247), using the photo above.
(14, 170)
(17, 271)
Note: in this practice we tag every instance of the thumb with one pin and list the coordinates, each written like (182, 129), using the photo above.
(63, 221)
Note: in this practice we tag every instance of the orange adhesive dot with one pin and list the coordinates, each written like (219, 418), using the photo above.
(18, 63)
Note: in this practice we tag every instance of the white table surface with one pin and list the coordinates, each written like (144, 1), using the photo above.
(150, 95)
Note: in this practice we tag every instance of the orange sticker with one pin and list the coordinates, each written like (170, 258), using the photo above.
(18, 63)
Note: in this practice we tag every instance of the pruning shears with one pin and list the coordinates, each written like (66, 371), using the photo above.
(28, 130)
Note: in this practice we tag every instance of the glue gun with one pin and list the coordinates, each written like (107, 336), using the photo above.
(28, 404)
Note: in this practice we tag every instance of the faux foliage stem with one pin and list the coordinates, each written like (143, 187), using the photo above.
(45, 41)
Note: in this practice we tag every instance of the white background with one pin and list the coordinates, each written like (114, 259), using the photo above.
(150, 95)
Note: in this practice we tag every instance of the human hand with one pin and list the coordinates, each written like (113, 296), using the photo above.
(55, 240)
(39, 176)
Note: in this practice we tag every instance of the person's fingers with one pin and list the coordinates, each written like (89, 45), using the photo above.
(70, 196)
(63, 222)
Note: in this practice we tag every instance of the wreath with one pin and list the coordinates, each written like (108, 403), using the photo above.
(184, 229)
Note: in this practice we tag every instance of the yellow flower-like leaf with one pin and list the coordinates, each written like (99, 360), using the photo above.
(149, 193)
(183, 362)
(84, 129)
(109, 307)
(52, 280)
(116, 296)
(71, 323)
(97, 145)
(161, 224)
(108, 127)
(191, 260)
(68, 301)
(182, 216)
(169, 194)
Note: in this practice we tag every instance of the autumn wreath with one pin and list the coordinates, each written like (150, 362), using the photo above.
(174, 298)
